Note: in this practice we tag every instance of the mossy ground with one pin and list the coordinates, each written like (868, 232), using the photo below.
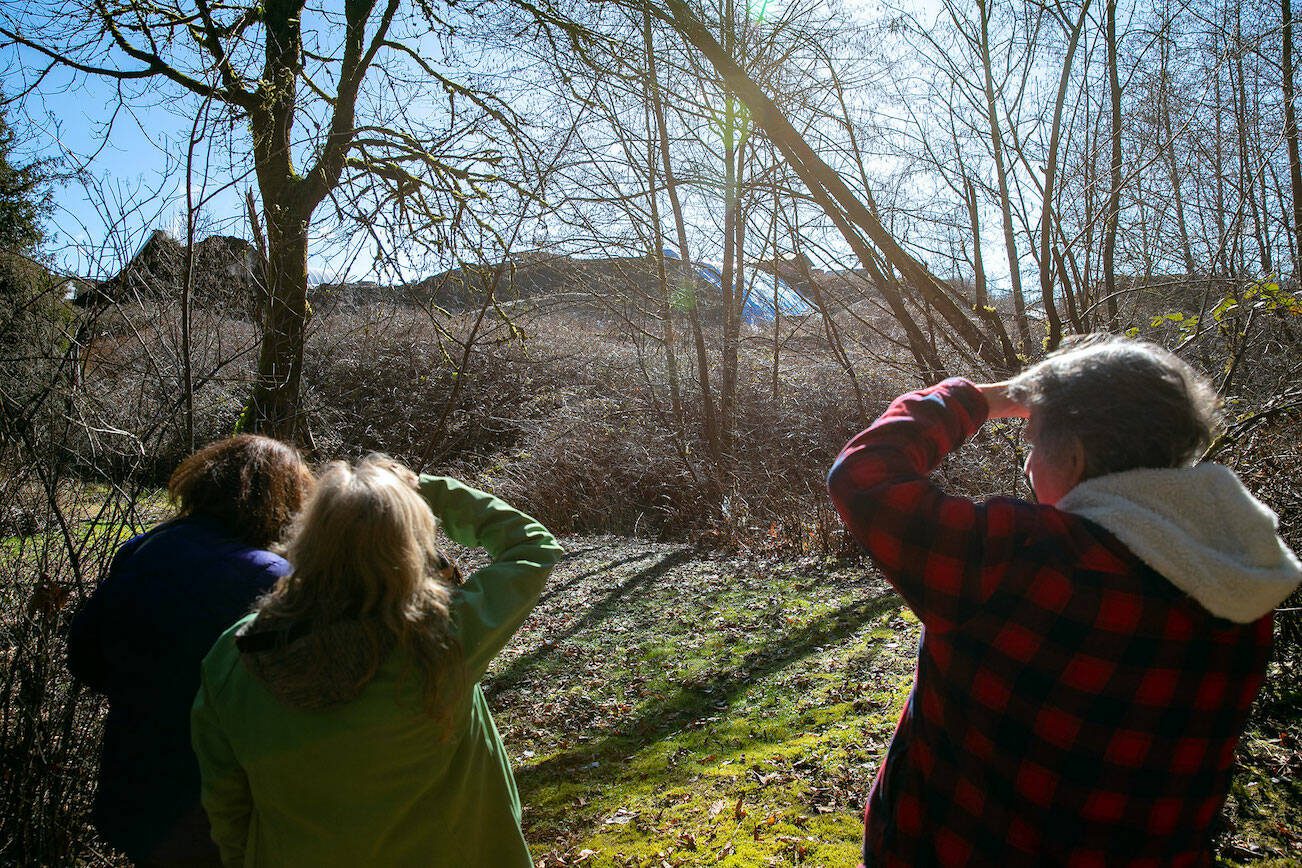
(1262, 819)
(664, 708)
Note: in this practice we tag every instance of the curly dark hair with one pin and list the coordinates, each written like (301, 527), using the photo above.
(252, 486)
(1129, 404)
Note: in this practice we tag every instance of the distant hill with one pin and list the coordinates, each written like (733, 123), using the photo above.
(230, 271)
(527, 276)
(227, 271)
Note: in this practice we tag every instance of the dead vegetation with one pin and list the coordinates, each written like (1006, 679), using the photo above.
(668, 704)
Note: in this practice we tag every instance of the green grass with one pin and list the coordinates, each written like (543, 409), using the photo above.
(98, 519)
(664, 709)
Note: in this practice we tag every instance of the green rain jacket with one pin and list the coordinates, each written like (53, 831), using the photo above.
(374, 781)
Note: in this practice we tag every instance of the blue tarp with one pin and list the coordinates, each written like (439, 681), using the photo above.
(758, 306)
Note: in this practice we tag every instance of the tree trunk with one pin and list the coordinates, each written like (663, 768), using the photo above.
(1247, 182)
(289, 199)
(1047, 258)
(1290, 132)
(666, 293)
(978, 267)
(1172, 165)
(1088, 279)
(1068, 294)
(667, 317)
(1113, 213)
(274, 406)
(187, 285)
(728, 274)
(1220, 263)
(982, 307)
(1001, 174)
(687, 279)
(777, 301)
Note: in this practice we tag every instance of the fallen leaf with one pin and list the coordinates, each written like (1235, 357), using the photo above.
(621, 817)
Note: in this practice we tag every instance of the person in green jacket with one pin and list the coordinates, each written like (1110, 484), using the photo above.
(342, 723)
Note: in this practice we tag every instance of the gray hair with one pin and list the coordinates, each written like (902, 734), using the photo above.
(1129, 404)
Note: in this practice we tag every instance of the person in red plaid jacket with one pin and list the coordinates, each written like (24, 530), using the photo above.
(1087, 662)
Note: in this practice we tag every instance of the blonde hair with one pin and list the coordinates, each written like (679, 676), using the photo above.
(365, 550)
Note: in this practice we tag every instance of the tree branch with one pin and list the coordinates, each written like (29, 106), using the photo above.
(330, 165)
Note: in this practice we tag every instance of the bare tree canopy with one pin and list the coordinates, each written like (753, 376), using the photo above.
(327, 96)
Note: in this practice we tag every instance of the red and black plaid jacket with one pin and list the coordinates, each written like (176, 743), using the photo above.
(1070, 705)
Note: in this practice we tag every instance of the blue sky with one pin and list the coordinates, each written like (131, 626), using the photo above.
(121, 148)
(132, 157)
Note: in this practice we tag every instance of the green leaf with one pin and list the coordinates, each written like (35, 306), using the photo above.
(1223, 307)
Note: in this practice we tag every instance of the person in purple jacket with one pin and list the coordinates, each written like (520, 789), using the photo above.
(141, 635)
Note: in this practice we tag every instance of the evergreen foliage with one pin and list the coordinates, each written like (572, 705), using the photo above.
(34, 317)
(24, 197)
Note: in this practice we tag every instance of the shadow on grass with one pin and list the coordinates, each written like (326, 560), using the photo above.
(610, 602)
(661, 718)
(583, 548)
(557, 587)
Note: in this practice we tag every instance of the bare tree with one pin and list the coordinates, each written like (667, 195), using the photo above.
(847, 211)
(296, 77)
(1290, 127)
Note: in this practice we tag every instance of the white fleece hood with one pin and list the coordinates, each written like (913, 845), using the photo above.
(1201, 530)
